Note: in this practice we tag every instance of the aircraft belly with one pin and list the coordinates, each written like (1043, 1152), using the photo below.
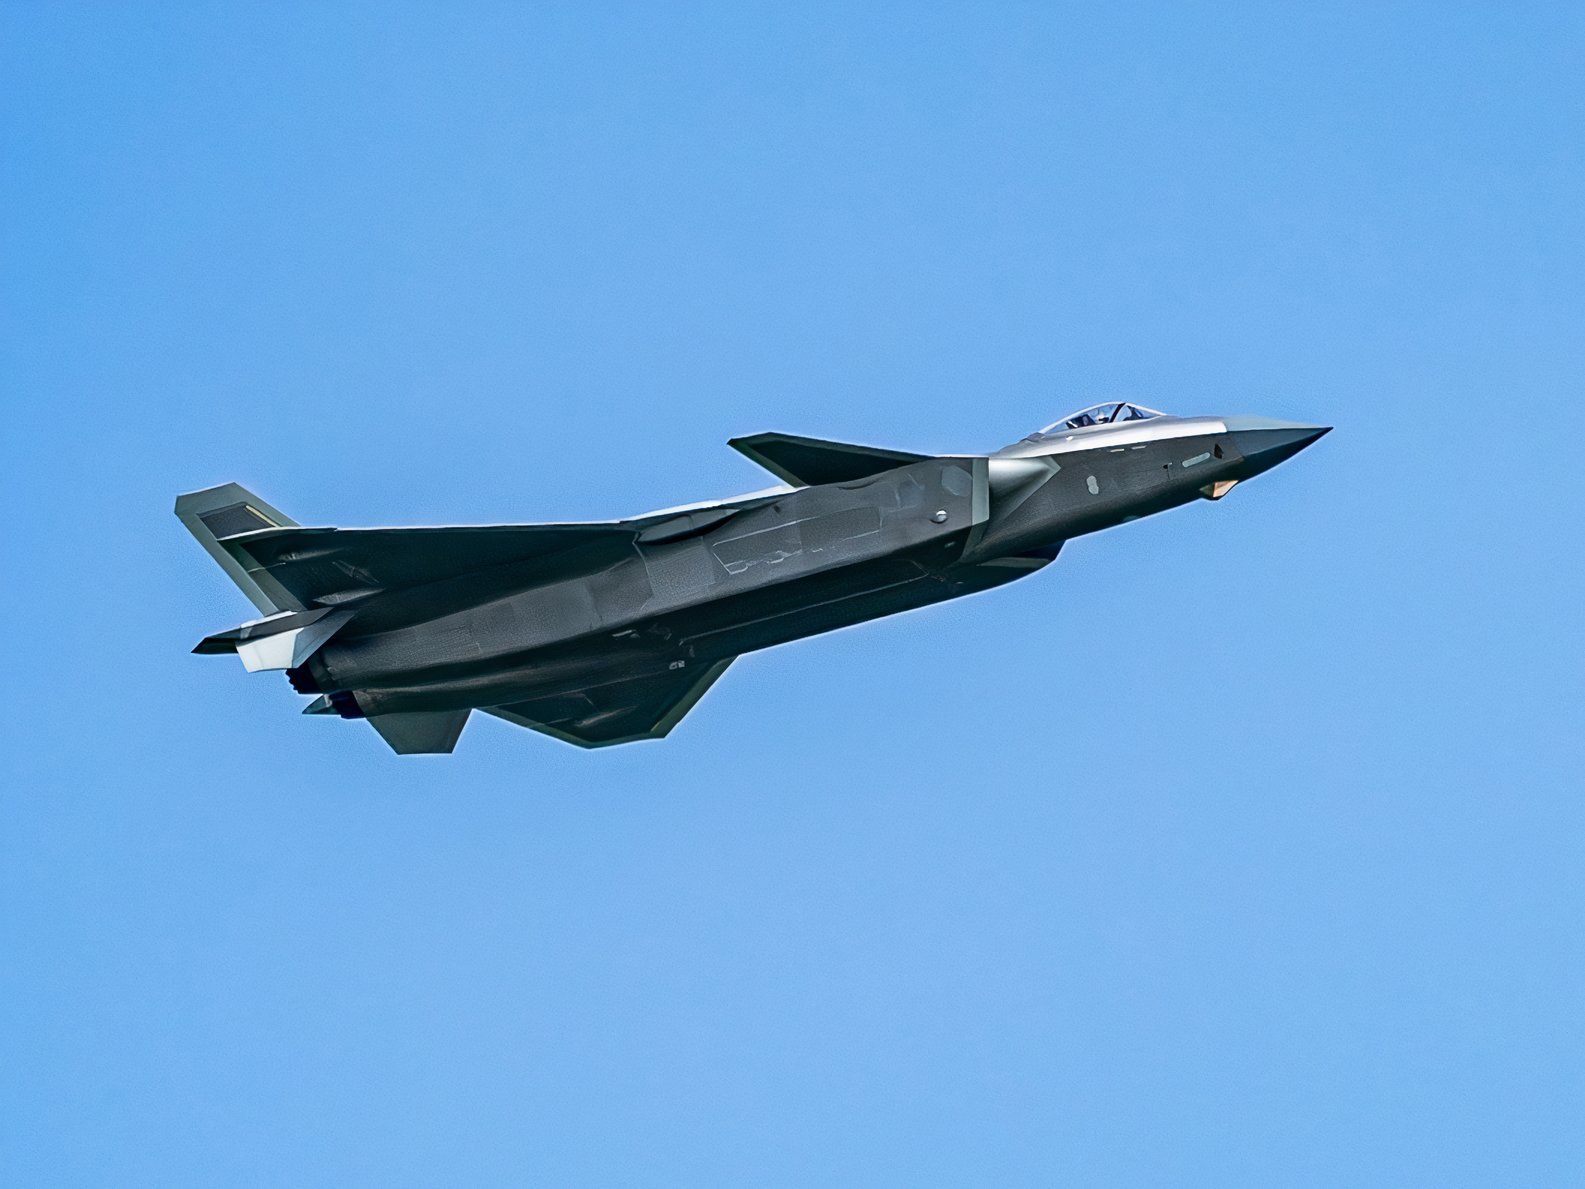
(851, 597)
(766, 554)
(713, 632)
(492, 635)
(812, 561)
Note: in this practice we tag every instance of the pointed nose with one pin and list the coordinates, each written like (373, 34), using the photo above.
(1264, 443)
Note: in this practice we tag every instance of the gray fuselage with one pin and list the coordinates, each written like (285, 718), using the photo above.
(706, 587)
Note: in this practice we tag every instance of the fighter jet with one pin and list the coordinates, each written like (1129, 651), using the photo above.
(609, 632)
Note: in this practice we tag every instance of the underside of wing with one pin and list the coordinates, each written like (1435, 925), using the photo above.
(808, 462)
(622, 712)
(284, 566)
(328, 566)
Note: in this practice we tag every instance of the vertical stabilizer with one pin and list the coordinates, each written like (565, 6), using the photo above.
(229, 510)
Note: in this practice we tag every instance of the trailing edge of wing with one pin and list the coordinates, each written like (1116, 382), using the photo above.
(623, 712)
(808, 462)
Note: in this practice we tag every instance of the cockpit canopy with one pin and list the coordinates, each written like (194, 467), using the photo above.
(1110, 413)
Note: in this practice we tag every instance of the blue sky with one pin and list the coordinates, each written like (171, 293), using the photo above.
(1243, 845)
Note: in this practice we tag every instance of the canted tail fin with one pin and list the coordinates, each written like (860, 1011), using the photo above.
(217, 513)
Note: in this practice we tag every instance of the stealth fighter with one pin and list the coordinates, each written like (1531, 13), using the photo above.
(609, 632)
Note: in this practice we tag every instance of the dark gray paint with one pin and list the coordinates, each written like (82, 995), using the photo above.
(607, 633)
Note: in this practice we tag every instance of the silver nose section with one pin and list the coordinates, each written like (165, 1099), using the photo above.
(1264, 442)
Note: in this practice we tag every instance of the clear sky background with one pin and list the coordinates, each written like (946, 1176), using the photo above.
(1244, 844)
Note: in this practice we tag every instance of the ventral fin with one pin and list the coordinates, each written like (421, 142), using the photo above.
(420, 732)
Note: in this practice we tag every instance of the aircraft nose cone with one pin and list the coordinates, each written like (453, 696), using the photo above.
(1265, 443)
